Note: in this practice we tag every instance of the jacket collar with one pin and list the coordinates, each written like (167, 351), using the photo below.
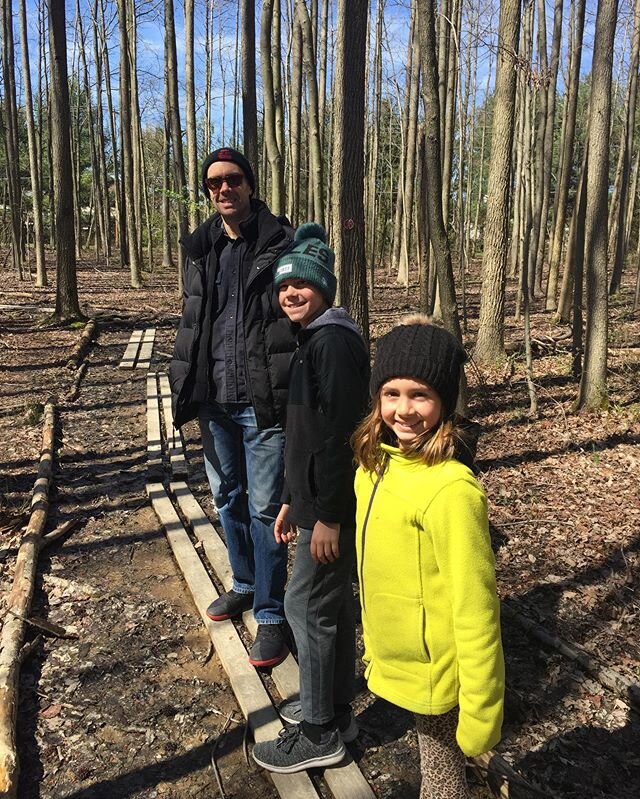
(261, 227)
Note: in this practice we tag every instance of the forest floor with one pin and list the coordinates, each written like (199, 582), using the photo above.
(132, 706)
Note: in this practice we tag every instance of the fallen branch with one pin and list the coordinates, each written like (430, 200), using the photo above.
(88, 334)
(605, 675)
(73, 392)
(28, 649)
(18, 603)
(500, 775)
(46, 626)
(59, 532)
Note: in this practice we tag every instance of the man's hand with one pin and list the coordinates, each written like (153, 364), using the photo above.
(283, 530)
(325, 540)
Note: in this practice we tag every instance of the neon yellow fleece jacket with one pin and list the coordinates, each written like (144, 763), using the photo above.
(430, 611)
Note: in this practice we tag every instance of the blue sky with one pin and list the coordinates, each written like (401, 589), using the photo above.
(151, 38)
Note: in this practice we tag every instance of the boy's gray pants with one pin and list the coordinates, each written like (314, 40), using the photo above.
(318, 604)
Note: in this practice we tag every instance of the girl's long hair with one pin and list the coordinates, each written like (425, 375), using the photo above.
(450, 438)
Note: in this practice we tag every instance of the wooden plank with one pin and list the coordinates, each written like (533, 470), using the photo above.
(246, 684)
(154, 436)
(131, 352)
(345, 781)
(146, 348)
(173, 438)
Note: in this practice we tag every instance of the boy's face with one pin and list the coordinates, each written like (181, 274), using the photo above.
(301, 301)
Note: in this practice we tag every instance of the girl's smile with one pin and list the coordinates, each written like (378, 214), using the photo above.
(409, 408)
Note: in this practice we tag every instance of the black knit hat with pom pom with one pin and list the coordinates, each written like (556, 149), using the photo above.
(421, 351)
(309, 259)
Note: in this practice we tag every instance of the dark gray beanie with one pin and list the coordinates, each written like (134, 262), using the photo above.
(310, 259)
(235, 157)
(424, 352)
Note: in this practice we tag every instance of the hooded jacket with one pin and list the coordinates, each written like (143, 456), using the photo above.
(268, 335)
(328, 392)
(430, 612)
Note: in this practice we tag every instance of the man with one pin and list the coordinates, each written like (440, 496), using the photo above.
(229, 370)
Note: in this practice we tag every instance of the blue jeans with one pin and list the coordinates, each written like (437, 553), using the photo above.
(245, 468)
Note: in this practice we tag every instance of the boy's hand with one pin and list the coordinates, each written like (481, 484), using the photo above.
(325, 540)
(283, 530)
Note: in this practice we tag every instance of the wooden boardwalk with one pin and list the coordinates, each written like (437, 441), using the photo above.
(186, 526)
(139, 349)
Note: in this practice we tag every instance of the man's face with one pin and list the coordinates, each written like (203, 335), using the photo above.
(233, 202)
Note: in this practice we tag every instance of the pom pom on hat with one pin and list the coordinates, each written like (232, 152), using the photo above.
(311, 230)
(309, 259)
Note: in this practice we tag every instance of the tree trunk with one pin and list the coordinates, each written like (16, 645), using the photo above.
(433, 167)
(249, 103)
(270, 122)
(409, 158)
(348, 161)
(67, 307)
(127, 145)
(120, 214)
(295, 120)
(551, 91)
(102, 179)
(190, 113)
(593, 385)
(34, 164)
(175, 127)
(315, 147)
(627, 149)
(490, 343)
(566, 155)
(11, 137)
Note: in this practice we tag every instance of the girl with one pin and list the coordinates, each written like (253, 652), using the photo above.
(430, 613)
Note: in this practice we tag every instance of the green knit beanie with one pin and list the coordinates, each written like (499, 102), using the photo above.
(309, 259)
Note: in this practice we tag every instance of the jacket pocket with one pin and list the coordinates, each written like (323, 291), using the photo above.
(397, 629)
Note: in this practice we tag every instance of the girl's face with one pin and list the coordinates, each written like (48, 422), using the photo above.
(409, 408)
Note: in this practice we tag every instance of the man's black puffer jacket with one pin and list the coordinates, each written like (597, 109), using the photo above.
(269, 339)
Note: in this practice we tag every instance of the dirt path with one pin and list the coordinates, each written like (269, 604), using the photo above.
(132, 707)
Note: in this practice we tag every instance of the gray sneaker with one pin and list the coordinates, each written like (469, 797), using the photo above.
(291, 711)
(292, 751)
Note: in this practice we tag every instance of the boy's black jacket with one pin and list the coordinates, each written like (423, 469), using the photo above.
(328, 396)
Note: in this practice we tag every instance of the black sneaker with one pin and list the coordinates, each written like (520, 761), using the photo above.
(270, 646)
(229, 605)
(291, 711)
(292, 751)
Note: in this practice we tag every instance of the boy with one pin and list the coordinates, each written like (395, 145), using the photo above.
(328, 389)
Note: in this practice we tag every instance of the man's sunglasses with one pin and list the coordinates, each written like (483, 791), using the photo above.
(233, 181)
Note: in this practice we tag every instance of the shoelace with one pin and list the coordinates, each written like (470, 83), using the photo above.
(288, 738)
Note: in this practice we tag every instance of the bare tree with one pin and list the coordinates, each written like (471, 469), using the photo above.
(171, 77)
(67, 306)
(11, 136)
(34, 162)
(348, 161)
(315, 147)
(432, 173)
(127, 146)
(566, 152)
(190, 115)
(249, 103)
(271, 135)
(593, 384)
(619, 228)
(490, 343)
